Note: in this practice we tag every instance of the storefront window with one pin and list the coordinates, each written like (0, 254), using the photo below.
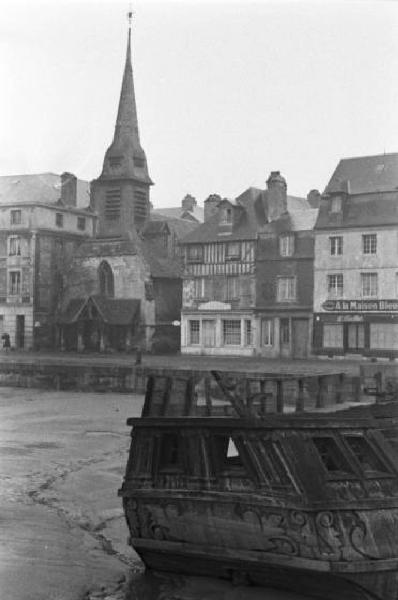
(194, 329)
(231, 332)
(332, 335)
(384, 336)
(284, 331)
(267, 332)
(248, 333)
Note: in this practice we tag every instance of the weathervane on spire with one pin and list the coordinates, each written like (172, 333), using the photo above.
(130, 16)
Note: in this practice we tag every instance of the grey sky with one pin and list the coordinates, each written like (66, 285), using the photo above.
(226, 92)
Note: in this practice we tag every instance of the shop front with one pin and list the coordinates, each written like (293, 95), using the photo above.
(357, 327)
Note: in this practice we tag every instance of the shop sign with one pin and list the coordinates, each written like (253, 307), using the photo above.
(361, 305)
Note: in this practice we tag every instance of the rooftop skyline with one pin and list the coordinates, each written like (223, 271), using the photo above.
(226, 92)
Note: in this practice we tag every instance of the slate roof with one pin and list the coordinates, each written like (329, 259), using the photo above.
(39, 188)
(361, 210)
(252, 219)
(378, 173)
(114, 311)
(196, 215)
(160, 265)
(299, 220)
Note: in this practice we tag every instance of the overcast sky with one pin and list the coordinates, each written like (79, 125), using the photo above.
(226, 91)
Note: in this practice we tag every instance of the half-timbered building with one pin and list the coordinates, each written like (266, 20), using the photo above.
(221, 286)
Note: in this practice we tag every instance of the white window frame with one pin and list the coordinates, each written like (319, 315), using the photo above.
(267, 332)
(228, 338)
(369, 243)
(232, 288)
(199, 287)
(14, 245)
(286, 244)
(335, 283)
(369, 285)
(287, 289)
(193, 329)
(14, 287)
(336, 245)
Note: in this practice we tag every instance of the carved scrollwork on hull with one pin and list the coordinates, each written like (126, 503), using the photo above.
(324, 535)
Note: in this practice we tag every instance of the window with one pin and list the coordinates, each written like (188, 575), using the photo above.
(384, 336)
(112, 204)
(332, 335)
(286, 289)
(275, 468)
(1, 323)
(231, 332)
(139, 162)
(355, 336)
(286, 244)
(194, 332)
(332, 456)
(199, 287)
(336, 245)
(195, 253)
(15, 283)
(232, 288)
(227, 453)
(16, 217)
(209, 333)
(248, 333)
(396, 285)
(369, 285)
(14, 248)
(284, 331)
(369, 243)
(115, 161)
(370, 463)
(335, 285)
(267, 332)
(233, 251)
(59, 219)
(140, 205)
(81, 223)
(106, 280)
(226, 216)
(336, 204)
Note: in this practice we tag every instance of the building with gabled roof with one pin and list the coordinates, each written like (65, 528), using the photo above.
(356, 266)
(227, 306)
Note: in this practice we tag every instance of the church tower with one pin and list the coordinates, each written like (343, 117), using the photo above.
(120, 195)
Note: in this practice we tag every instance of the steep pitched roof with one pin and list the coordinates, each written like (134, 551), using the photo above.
(252, 219)
(39, 188)
(114, 311)
(299, 220)
(378, 173)
(177, 212)
(361, 210)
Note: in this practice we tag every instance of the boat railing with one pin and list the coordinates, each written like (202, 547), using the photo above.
(219, 393)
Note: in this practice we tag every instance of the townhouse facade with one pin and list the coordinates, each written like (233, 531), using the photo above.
(42, 221)
(230, 276)
(356, 264)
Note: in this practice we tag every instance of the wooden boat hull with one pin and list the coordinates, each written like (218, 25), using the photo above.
(325, 553)
(215, 562)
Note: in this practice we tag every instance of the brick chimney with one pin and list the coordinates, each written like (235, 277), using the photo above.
(211, 206)
(314, 198)
(188, 203)
(68, 189)
(276, 196)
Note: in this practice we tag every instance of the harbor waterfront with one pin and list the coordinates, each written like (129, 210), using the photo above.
(62, 531)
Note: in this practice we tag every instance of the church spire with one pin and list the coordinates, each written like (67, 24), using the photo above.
(125, 157)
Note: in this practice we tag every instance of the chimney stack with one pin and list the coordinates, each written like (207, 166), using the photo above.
(68, 189)
(211, 206)
(276, 196)
(188, 203)
(314, 198)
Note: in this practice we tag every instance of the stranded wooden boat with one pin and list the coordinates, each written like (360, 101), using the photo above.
(228, 478)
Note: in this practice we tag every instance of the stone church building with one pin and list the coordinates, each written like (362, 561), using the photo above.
(123, 287)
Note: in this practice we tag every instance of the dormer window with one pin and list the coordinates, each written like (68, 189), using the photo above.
(336, 204)
(233, 251)
(226, 215)
(286, 244)
(195, 253)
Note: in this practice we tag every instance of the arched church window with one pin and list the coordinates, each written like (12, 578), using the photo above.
(106, 280)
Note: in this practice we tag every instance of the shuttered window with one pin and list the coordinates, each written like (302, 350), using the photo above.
(112, 204)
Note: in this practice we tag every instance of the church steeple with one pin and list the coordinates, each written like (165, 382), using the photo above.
(120, 195)
(125, 157)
